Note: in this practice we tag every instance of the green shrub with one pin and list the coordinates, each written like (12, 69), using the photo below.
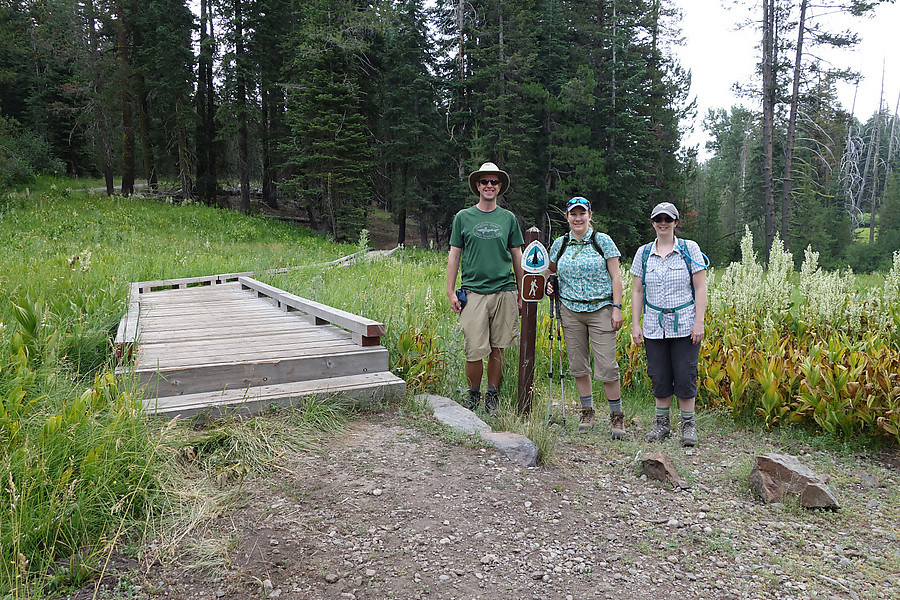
(23, 153)
(865, 257)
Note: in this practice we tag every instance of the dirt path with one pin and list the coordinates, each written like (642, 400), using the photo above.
(389, 512)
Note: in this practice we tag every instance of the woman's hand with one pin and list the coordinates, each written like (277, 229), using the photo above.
(637, 334)
(697, 332)
(616, 319)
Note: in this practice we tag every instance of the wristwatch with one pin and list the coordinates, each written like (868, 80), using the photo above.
(617, 306)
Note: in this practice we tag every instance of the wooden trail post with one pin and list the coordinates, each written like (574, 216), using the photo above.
(526, 341)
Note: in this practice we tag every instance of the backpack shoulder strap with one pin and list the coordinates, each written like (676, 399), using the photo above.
(644, 256)
(596, 244)
(683, 250)
(562, 247)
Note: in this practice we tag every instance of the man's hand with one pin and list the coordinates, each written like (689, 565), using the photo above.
(455, 306)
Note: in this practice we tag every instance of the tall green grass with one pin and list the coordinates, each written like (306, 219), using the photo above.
(80, 468)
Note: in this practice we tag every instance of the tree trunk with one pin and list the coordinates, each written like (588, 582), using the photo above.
(872, 203)
(100, 119)
(269, 196)
(768, 124)
(206, 158)
(146, 145)
(791, 133)
(423, 228)
(401, 227)
(243, 134)
(184, 166)
(891, 138)
(127, 108)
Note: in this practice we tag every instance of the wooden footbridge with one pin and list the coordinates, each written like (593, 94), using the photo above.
(207, 346)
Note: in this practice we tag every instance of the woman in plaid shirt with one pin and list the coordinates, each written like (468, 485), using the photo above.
(670, 289)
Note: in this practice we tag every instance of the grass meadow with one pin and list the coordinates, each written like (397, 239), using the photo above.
(82, 471)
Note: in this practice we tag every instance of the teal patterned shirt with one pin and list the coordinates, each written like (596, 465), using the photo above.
(584, 280)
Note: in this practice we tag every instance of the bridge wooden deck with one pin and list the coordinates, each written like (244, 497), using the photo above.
(213, 345)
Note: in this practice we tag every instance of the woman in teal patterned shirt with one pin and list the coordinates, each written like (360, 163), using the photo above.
(590, 290)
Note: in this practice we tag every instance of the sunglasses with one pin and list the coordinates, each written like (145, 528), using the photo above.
(578, 201)
(662, 219)
(488, 181)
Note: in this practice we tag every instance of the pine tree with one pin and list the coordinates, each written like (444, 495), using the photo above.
(412, 151)
(329, 147)
(205, 102)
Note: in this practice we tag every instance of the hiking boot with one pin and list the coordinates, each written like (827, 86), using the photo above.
(473, 401)
(587, 420)
(617, 425)
(660, 431)
(688, 433)
(492, 403)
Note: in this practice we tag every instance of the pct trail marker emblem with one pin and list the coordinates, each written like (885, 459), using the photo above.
(535, 258)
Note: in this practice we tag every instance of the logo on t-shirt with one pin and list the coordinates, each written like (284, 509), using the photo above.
(487, 231)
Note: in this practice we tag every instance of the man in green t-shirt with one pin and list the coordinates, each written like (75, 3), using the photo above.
(487, 242)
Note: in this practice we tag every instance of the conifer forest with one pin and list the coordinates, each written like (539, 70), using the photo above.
(339, 107)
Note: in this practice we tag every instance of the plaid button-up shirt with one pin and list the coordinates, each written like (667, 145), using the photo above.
(668, 281)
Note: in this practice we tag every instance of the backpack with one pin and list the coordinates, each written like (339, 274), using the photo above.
(683, 251)
(565, 242)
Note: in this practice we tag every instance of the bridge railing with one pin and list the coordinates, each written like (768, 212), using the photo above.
(365, 332)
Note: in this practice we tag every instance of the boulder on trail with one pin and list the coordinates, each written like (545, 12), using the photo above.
(517, 448)
(777, 476)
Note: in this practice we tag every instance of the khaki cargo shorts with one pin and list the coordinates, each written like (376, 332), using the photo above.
(585, 331)
(489, 321)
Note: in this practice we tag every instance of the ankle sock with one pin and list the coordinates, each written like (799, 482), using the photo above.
(615, 405)
(491, 390)
(687, 416)
(662, 412)
(587, 401)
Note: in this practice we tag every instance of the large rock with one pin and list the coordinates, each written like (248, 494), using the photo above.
(776, 476)
(659, 466)
(453, 415)
(513, 446)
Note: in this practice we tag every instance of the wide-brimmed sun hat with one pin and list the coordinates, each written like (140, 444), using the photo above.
(486, 168)
(665, 208)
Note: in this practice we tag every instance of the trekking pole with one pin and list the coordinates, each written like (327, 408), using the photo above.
(559, 341)
(550, 339)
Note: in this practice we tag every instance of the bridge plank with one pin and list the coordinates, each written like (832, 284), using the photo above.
(253, 400)
(176, 380)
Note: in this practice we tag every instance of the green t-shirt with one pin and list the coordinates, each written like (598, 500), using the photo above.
(485, 239)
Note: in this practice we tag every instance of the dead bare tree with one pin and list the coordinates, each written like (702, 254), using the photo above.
(769, 92)
(877, 153)
(892, 140)
(850, 175)
(788, 179)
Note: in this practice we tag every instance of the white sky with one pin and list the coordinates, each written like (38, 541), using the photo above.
(718, 56)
